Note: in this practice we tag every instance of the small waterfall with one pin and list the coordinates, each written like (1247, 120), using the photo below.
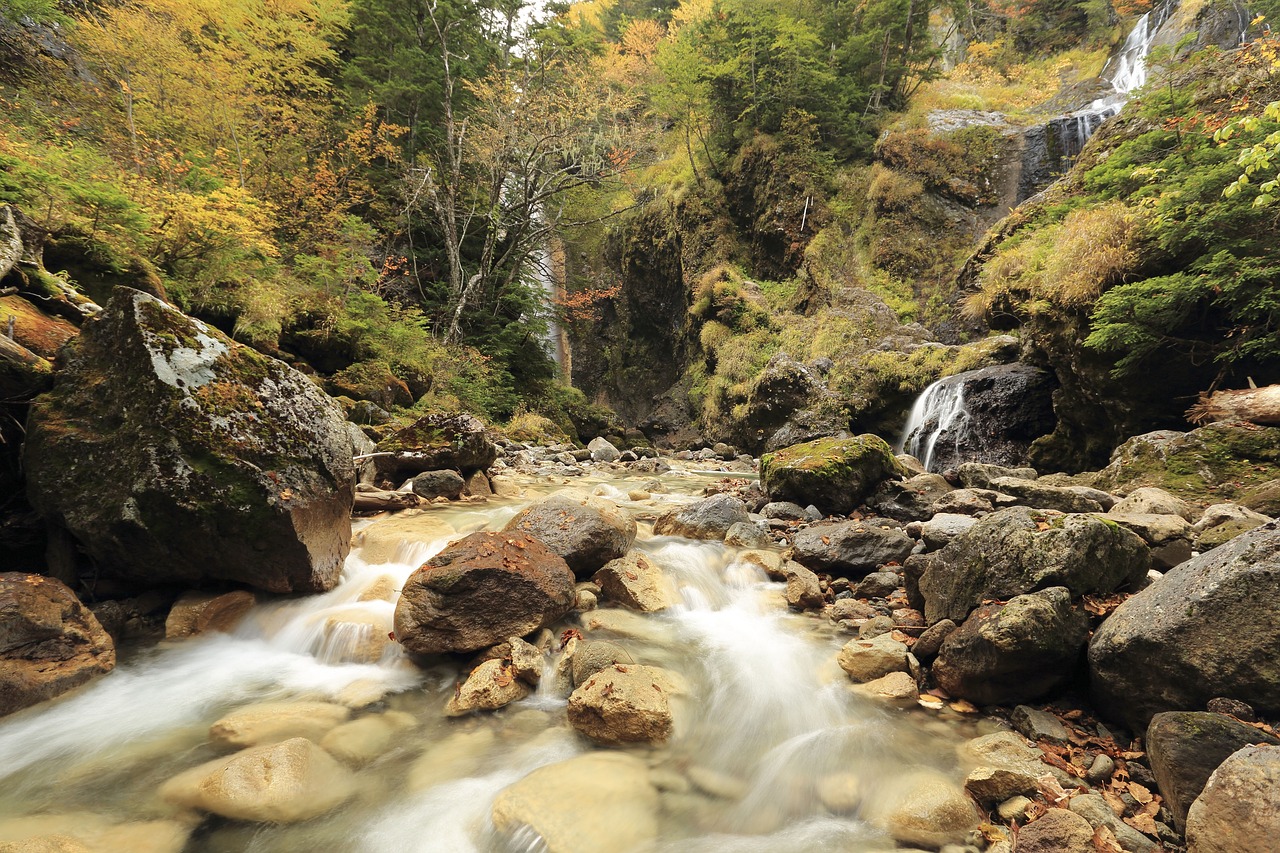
(548, 269)
(939, 409)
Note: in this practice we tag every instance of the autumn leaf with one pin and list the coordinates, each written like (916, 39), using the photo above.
(1139, 793)
(1104, 840)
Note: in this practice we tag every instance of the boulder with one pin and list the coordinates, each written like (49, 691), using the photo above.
(438, 484)
(635, 581)
(981, 475)
(878, 585)
(923, 808)
(601, 802)
(436, 442)
(1018, 550)
(850, 548)
(1014, 652)
(1185, 747)
(272, 722)
(1094, 809)
(49, 642)
(196, 613)
(1212, 463)
(869, 659)
(490, 686)
(803, 588)
(86, 832)
(202, 437)
(1263, 498)
(602, 451)
(993, 785)
(1225, 521)
(1149, 500)
(480, 590)
(1038, 725)
(747, 534)
(709, 518)
(1206, 629)
(623, 704)
(590, 657)
(939, 530)
(1239, 809)
(834, 474)
(785, 392)
(896, 688)
(1056, 831)
(586, 531)
(912, 499)
(358, 742)
(1040, 496)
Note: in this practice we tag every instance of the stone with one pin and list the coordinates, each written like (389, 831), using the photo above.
(1263, 499)
(488, 687)
(969, 502)
(478, 485)
(897, 688)
(929, 642)
(716, 784)
(1094, 809)
(1056, 831)
(601, 802)
(1239, 809)
(1018, 550)
(1212, 463)
(1185, 747)
(201, 435)
(803, 588)
(438, 484)
(287, 782)
(1100, 770)
(272, 722)
(602, 451)
(85, 832)
(1222, 522)
(912, 499)
(49, 642)
(586, 531)
(480, 590)
(980, 475)
(923, 808)
(834, 474)
(358, 742)
(1033, 494)
(943, 527)
(875, 626)
(1014, 808)
(1206, 629)
(843, 609)
(1155, 530)
(867, 660)
(590, 657)
(784, 510)
(851, 548)
(1038, 725)
(635, 581)
(526, 659)
(623, 704)
(454, 756)
(991, 785)
(709, 518)
(747, 534)
(195, 613)
(840, 793)
(1149, 500)
(1014, 652)
(878, 585)
(436, 442)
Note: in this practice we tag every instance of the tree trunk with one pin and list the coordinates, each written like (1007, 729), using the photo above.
(381, 501)
(1255, 405)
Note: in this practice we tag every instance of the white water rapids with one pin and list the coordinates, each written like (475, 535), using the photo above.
(769, 713)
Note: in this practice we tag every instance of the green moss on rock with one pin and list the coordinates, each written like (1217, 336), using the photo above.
(834, 474)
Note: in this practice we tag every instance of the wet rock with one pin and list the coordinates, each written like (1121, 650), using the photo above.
(803, 588)
(623, 704)
(840, 793)
(272, 722)
(358, 742)
(1014, 652)
(980, 475)
(709, 518)
(196, 613)
(878, 585)
(1018, 550)
(586, 531)
(938, 531)
(897, 688)
(490, 686)
(84, 832)
(991, 785)
(875, 626)
(202, 435)
(1094, 809)
(49, 642)
(1033, 494)
(747, 534)
(590, 657)
(602, 451)
(851, 609)
(867, 660)
(1152, 501)
(834, 474)
(434, 443)
(1239, 809)
(478, 485)
(1056, 831)
(851, 548)
(912, 499)
(1180, 642)
(1185, 747)
(480, 590)
(286, 782)
(1014, 808)
(923, 808)
(601, 802)
(454, 756)
(1010, 751)
(930, 641)
(438, 484)
(1039, 725)
(716, 784)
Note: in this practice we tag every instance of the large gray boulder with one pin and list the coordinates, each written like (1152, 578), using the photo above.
(1016, 652)
(850, 549)
(176, 455)
(1239, 809)
(1019, 550)
(1207, 629)
(481, 590)
(833, 474)
(587, 532)
(49, 641)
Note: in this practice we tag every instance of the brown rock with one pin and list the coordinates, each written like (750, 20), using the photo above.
(1057, 831)
(623, 704)
(197, 612)
(634, 581)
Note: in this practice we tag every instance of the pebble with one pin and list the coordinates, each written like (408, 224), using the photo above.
(1101, 769)
(1013, 808)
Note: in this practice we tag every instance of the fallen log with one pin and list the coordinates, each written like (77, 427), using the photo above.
(1256, 405)
(23, 374)
(381, 501)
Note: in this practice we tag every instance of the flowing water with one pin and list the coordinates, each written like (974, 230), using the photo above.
(938, 414)
(768, 725)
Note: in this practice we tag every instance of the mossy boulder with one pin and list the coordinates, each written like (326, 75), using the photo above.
(834, 474)
(175, 455)
(458, 441)
(34, 329)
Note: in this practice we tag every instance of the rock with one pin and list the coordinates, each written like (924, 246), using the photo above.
(716, 784)
(1185, 747)
(972, 502)
(1014, 652)
(586, 531)
(991, 785)
(1017, 550)
(1056, 831)
(434, 443)
(1242, 711)
(851, 548)
(878, 585)
(1152, 501)
(1155, 530)
(359, 742)
(601, 802)
(923, 808)
(202, 435)
(1100, 770)
(1038, 725)
(490, 686)
(480, 590)
(803, 588)
(49, 642)
(1207, 629)
(1005, 750)
(843, 609)
(478, 485)
(938, 531)
(912, 499)
(1014, 808)
(438, 484)
(85, 832)
(867, 660)
(896, 688)
(197, 612)
(453, 756)
(272, 722)
(602, 451)
(840, 793)
(709, 518)
(782, 399)
(747, 534)
(1239, 809)
(1215, 461)
(1222, 522)
(980, 475)
(928, 643)
(834, 474)
(784, 510)
(285, 782)
(590, 657)
(1094, 809)
(1038, 496)
(1263, 499)
(623, 704)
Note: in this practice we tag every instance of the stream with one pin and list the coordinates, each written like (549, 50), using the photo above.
(772, 751)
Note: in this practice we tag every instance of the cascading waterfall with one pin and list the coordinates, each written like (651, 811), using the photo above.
(548, 269)
(938, 411)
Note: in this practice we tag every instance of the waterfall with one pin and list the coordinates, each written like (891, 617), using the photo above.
(939, 409)
(548, 271)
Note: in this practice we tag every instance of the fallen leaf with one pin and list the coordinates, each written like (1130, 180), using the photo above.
(1113, 800)
(1142, 822)
(1104, 840)
(963, 706)
(1139, 793)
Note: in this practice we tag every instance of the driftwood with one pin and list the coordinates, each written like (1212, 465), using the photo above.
(381, 501)
(23, 374)
(1256, 405)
